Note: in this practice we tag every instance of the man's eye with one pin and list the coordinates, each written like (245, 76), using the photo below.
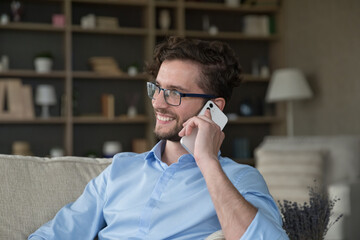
(173, 93)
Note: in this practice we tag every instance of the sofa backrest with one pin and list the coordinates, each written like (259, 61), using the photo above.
(342, 158)
(33, 189)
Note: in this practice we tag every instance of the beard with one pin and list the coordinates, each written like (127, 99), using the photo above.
(172, 134)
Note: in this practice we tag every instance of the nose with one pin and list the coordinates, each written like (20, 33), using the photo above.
(159, 102)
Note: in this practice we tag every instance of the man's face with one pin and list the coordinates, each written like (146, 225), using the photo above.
(181, 76)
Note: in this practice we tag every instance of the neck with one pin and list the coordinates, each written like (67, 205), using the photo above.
(172, 152)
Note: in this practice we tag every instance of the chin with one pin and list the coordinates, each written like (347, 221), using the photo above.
(173, 137)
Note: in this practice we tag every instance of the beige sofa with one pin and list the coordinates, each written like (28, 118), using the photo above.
(33, 189)
(290, 164)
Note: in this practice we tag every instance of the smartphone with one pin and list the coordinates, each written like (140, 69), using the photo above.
(216, 115)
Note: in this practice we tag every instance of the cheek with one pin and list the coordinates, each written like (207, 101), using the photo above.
(184, 116)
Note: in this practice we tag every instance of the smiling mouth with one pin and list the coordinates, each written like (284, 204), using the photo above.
(164, 119)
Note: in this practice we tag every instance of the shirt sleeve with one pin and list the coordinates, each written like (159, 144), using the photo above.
(267, 223)
(82, 219)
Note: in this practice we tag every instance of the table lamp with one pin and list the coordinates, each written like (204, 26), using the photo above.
(45, 97)
(288, 85)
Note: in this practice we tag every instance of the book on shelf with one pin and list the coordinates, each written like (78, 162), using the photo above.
(108, 105)
(28, 105)
(107, 22)
(140, 145)
(105, 65)
(16, 101)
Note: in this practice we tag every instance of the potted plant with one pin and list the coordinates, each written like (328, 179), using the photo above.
(310, 220)
(43, 62)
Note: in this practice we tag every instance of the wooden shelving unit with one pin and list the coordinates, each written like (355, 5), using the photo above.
(222, 7)
(32, 27)
(229, 36)
(52, 120)
(119, 31)
(32, 73)
(137, 39)
(116, 120)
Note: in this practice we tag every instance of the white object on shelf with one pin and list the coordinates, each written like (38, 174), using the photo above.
(110, 148)
(56, 152)
(213, 30)
(232, 3)
(132, 71)
(45, 97)
(132, 112)
(4, 19)
(88, 21)
(5, 63)
(43, 64)
(164, 19)
(256, 25)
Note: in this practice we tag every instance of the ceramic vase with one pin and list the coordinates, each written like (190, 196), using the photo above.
(164, 19)
(43, 64)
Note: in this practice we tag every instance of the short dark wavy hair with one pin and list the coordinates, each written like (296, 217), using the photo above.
(221, 71)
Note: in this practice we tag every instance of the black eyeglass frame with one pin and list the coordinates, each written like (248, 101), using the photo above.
(150, 84)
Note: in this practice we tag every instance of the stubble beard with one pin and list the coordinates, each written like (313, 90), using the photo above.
(172, 134)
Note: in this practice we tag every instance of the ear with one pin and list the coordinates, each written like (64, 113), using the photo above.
(220, 102)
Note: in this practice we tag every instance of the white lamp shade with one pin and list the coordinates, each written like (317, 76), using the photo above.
(45, 95)
(288, 84)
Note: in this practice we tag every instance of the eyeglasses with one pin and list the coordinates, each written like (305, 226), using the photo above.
(172, 97)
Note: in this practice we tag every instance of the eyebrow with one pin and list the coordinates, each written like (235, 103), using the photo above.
(173, 87)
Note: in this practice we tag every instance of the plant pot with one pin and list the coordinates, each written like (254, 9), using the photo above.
(43, 64)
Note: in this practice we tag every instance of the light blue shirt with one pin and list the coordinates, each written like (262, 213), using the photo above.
(140, 197)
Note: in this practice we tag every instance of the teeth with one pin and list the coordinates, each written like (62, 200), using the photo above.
(164, 118)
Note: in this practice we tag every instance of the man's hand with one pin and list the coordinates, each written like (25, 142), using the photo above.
(208, 139)
(234, 212)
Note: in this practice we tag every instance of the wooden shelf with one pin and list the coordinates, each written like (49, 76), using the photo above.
(256, 120)
(47, 27)
(51, 120)
(114, 2)
(115, 31)
(32, 73)
(166, 4)
(76, 74)
(229, 36)
(94, 75)
(123, 119)
(64, 40)
(223, 7)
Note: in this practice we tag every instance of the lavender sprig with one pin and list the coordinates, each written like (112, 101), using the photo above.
(308, 221)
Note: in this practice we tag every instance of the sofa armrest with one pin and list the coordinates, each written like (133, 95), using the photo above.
(216, 236)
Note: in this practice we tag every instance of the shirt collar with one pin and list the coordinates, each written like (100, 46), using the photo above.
(157, 150)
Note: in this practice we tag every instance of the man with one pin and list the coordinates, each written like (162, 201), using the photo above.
(167, 193)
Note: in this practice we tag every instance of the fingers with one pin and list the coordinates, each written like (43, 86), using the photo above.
(208, 113)
(206, 117)
(195, 122)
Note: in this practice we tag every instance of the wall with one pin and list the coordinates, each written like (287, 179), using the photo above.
(322, 37)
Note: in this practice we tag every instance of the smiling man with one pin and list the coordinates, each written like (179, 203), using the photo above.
(167, 193)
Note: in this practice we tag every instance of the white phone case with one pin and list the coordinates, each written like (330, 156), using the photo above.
(216, 115)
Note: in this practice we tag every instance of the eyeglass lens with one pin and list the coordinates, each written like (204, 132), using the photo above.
(171, 97)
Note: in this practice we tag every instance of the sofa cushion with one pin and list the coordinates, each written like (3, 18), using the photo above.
(33, 189)
(342, 160)
(290, 173)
